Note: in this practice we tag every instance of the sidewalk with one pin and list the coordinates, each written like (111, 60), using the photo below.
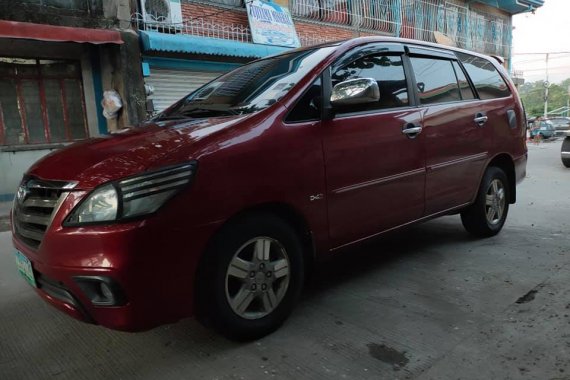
(5, 208)
(5, 216)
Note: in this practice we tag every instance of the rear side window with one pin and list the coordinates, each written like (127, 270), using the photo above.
(436, 80)
(485, 77)
(464, 87)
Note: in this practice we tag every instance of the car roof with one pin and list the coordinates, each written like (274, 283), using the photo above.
(406, 41)
(354, 42)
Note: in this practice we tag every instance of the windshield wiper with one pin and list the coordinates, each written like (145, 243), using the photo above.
(171, 117)
(213, 112)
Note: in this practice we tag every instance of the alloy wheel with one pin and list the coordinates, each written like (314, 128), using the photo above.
(495, 202)
(257, 278)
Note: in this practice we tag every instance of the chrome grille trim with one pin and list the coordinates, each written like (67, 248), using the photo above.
(39, 202)
(35, 205)
(34, 219)
(155, 189)
(150, 183)
(156, 182)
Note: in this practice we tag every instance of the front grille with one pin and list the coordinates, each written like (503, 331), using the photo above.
(34, 206)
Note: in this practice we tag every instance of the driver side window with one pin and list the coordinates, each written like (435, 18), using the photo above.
(387, 71)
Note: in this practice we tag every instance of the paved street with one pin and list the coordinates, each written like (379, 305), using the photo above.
(429, 302)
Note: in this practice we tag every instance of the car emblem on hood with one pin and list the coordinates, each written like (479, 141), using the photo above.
(22, 193)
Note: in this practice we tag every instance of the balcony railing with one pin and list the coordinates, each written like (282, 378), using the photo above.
(195, 27)
(416, 19)
(203, 28)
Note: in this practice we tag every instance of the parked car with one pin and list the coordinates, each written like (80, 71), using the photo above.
(561, 125)
(544, 129)
(565, 150)
(220, 205)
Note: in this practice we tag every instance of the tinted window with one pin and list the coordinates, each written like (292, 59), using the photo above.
(388, 71)
(308, 107)
(436, 80)
(464, 87)
(485, 77)
(249, 88)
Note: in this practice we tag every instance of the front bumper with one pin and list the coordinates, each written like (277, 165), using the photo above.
(153, 265)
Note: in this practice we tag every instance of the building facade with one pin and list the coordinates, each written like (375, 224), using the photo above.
(57, 57)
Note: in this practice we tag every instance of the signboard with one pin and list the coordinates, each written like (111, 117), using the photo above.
(271, 24)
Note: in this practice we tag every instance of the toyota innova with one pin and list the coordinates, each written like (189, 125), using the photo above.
(218, 206)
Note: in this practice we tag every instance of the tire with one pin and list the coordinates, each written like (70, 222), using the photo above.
(252, 277)
(566, 148)
(486, 216)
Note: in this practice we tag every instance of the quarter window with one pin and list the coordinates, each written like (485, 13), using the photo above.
(464, 87)
(485, 77)
(308, 107)
(435, 80)
(387, 70)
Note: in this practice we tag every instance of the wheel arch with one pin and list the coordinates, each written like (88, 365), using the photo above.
(283, 211)
(289, 214)
(505, 162)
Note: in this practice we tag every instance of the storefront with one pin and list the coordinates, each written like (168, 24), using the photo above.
(176, 64)
(50, 81)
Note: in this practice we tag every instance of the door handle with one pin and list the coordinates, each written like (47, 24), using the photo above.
(412, 130)
(480, 119)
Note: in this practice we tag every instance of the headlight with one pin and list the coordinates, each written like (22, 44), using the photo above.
(100, 206)
(132, 197)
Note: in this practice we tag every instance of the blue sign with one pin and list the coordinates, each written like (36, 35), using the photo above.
(271, 24)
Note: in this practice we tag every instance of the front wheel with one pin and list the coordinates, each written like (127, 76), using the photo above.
(487, 215)
(252, 277)
(565, 152)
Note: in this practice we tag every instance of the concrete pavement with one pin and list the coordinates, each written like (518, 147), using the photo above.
(5, 215)
(429, 302)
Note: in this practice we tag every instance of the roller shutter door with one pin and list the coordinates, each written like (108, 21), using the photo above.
(171, 85)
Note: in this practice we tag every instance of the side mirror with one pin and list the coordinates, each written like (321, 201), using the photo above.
(355, 91)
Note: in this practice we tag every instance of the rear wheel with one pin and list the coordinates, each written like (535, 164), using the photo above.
(252, 277)
(487, 215)
(565, 152)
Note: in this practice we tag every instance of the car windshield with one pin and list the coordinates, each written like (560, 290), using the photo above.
(249, 88)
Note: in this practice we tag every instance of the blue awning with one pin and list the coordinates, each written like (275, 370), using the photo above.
(183, 43)
(514, 6)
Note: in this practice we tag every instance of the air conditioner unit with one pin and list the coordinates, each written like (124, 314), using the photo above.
(162, 11)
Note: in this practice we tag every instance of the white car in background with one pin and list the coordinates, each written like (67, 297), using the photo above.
(565, 153)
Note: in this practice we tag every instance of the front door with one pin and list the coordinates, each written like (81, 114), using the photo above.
(375, 172)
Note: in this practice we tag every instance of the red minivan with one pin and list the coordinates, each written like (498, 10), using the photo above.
(218, 206)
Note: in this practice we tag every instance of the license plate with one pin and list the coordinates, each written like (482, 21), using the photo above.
(25, 268)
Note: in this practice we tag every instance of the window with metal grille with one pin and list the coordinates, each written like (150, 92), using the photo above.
(41, 101)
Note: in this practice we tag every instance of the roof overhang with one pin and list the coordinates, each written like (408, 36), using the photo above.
(514, 6)
(183, 43)
(52, 33)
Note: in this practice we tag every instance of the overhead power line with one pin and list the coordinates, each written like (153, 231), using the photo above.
(553, 53)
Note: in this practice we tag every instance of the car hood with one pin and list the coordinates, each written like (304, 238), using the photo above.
(153, 145)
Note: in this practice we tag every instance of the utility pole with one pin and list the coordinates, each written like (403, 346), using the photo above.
(568, 102)
(546, 85)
